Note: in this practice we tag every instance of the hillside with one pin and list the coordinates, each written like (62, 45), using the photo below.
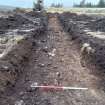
(6, 8)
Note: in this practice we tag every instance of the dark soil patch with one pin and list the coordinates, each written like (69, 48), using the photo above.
(97, 25)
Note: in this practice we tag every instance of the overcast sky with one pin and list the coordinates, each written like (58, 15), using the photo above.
(29, 3)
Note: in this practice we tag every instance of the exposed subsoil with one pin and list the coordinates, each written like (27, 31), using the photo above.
(44, 67)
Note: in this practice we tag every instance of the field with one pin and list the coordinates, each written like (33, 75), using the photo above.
(58, 48)
(78, 10)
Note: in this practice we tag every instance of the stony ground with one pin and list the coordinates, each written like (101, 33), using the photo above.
(55, 61)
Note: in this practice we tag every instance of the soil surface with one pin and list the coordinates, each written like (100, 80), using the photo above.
(55, 61)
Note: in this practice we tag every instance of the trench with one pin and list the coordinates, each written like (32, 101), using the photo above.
(43, 67)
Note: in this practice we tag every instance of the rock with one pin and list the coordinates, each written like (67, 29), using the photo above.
(21, 102)
(32, 87)
(45, 49)
(58, 74)
(34, 84)
(41, 65)
(55, 67)
(52, 54)
(55, 82)
(21, 93)
(43, 41)
(5, 67)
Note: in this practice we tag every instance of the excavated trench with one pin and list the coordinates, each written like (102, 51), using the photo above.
(87, 29)
(54, 59)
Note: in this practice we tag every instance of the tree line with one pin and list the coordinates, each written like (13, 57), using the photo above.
(59, 5)
(100, 4)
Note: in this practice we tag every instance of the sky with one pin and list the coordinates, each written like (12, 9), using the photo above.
(29, 3)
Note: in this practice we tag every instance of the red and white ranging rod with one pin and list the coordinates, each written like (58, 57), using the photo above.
(58, 88)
